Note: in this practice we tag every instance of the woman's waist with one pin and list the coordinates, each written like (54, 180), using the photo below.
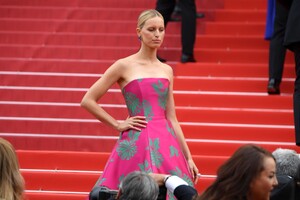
(152, 117)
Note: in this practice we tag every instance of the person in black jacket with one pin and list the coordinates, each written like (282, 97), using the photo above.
(292, 42)
(188, 26)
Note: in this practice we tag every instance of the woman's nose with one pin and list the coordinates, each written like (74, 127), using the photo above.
(275, 183)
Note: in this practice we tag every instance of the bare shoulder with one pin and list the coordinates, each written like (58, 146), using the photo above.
(168, 69)
(120, 65)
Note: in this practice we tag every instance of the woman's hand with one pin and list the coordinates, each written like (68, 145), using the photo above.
(135, 123)
(194, 170)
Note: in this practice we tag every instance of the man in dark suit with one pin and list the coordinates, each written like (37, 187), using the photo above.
(188, 26)
(292, 42)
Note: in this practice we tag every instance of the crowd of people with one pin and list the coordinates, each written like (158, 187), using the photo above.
(251, 173)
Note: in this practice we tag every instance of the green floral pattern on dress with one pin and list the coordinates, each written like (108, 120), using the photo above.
(127, 148)
(171, 130)
(173, 151)
(132, 102)
(147, 110)
(162, 93)
(156, 156)
(145, 167)
(135, 106)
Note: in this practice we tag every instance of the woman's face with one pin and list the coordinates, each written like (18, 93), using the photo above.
(262, 185)
(153, 32)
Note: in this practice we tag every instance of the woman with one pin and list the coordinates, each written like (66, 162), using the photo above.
(151, 138)
(248, 175)
(11, 180)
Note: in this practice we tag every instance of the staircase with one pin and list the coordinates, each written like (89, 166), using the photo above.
(52, 51)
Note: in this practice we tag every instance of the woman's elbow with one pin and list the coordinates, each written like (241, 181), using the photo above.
(84, 103)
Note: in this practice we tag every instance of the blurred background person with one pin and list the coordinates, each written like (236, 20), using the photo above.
(249, 174)
(288, 175)
(277, 51)
(11, 180)
(292, 42)
(176, 15)
(188, 26)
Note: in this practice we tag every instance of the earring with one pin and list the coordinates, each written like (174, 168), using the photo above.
(140, 38)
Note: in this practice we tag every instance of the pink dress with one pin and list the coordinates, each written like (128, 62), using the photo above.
(155, 148)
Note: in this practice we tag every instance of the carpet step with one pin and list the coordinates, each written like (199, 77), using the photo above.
(238, 15)
(64, 128)
(58, 181)
(206, 115)
(244, 4)
(54, 65)
(100, 13)
(109, 27)
(111, 53)
(105, 144)
(112, 40)
(84, 3)
(229, 69)
(209, 99)
(81, 83)
(99, 66)
(51, 195)
(90, 161)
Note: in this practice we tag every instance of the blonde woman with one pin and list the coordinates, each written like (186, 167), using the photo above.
(151, 139)
(11, 180)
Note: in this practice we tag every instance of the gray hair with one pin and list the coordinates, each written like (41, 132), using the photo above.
(287, 161)
(138, 186)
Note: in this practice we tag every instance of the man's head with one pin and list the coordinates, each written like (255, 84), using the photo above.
(287, 162)
(138, 186)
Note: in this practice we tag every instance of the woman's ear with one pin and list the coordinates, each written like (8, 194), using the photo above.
(138, 32)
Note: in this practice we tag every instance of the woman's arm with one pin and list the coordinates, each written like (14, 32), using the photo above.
(171, 115)
(112, 75)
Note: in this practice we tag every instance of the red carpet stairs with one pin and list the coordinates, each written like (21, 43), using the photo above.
(51, 51)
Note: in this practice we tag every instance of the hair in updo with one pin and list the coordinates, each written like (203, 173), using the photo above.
(145, 15)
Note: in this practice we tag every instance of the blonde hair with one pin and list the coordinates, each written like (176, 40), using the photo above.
(145, 15)
(11, 180)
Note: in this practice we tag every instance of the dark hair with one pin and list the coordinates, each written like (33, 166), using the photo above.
(235, 175)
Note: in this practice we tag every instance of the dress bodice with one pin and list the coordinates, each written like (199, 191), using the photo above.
(147, 97)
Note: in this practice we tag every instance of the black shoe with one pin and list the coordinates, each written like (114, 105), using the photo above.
(273, 86)
(200, 15)
(161, 59)
(175, 18)
(187, 58)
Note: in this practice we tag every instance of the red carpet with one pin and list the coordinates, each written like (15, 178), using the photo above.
(51, 51)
